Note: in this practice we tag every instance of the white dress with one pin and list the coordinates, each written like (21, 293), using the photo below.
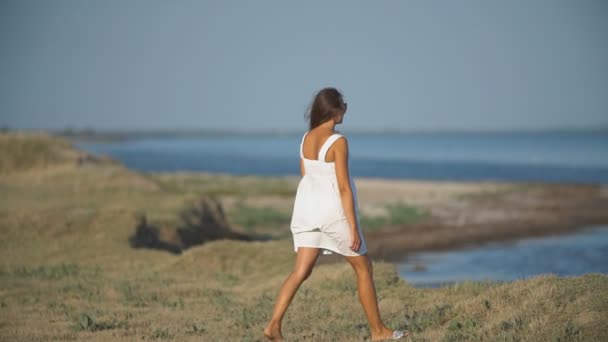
(318, 218)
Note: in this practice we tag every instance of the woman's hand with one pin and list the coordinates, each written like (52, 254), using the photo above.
(355, 240)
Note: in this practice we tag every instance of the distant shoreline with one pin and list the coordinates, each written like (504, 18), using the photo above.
(88, 134)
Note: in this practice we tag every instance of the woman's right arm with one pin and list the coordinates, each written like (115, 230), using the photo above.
(346, 193)
(302, 167)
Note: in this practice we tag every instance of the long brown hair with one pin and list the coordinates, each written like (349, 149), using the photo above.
(327, 104)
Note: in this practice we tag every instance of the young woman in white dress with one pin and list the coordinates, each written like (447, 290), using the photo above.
(342, 236)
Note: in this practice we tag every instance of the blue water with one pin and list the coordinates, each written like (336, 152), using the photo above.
(549, 156)
(563, 255)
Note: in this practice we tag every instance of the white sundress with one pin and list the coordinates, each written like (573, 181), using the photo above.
(318, 218)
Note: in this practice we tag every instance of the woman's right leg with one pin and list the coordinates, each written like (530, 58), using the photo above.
(305, 261)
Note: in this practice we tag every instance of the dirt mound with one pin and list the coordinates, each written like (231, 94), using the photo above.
(20, 151)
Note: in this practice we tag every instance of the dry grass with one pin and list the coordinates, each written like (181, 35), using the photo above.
(68, 273)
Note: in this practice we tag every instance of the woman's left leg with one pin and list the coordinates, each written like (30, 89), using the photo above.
(305, 261)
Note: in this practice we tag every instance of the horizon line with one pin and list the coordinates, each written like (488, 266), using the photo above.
(90, 131)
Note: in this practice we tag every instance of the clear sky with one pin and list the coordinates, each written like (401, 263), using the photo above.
(255, 65)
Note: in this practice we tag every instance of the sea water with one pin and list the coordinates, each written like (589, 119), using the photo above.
(585, 251)
(511, 156)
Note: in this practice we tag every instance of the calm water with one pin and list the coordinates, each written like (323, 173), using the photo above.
(563, 255)
(578, 157)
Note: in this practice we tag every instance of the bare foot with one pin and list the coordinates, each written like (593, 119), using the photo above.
(273, 332)
(387, 334)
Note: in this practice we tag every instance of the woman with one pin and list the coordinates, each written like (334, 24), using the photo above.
(325, 215)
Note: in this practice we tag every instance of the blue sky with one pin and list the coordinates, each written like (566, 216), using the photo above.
(255, 65)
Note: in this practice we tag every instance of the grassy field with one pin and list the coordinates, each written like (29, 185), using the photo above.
(68, 273)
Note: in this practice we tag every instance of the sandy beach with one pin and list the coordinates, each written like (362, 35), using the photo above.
(472, 213)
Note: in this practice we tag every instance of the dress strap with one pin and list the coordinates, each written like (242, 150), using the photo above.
(302, 145)
(327, 145)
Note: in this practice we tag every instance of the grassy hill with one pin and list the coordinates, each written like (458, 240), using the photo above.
(68, 272)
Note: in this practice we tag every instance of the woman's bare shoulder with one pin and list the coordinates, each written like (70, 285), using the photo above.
(340, 147)
(341, 141)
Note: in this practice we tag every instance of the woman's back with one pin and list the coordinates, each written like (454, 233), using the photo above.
(313, 144)
(317, 161)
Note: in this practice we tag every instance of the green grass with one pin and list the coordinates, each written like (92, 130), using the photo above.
(396, 214)
(216, 185)
(44, 272)
(252, 217)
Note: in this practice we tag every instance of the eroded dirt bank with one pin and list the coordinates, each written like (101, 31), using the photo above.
(495, 212)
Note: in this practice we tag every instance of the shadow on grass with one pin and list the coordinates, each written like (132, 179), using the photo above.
(201, 221)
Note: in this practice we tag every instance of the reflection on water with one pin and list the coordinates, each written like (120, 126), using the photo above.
(563, 255)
